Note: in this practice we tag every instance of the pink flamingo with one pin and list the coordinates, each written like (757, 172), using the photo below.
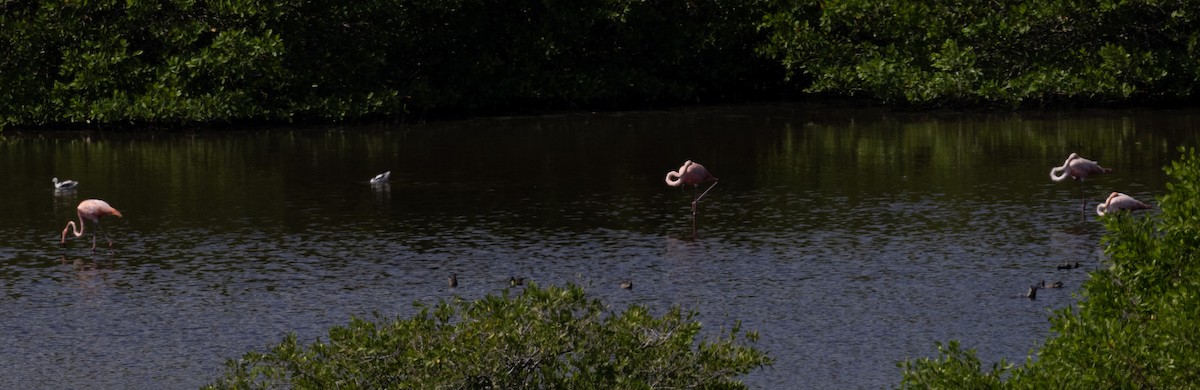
(692, 174)
(1077, 168)
(91, 209)
(1117, 201)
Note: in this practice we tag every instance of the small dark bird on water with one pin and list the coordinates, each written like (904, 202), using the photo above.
(1068, 265)
(628, 285)
(515, 281)
(1032, 294)
(453, 280)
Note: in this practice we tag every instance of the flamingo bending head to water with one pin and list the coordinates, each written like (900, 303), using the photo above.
(1117, 201)
(92, 210)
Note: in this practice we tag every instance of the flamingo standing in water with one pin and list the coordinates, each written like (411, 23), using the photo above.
(1078, 168)
(1117, 201)
(693, 174)
(91, 209)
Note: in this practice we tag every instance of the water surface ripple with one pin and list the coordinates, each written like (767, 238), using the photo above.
(850, 239)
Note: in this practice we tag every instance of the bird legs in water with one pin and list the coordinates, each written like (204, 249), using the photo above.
(101, 230)
(1083, 197)
(696, 205)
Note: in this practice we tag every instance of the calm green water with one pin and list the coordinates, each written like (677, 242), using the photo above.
(850, 238)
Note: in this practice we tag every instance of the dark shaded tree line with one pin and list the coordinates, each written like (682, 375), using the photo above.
(990, 52)
(191, 61)
(196, 61)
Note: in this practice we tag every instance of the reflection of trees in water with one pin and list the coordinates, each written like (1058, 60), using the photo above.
(960, 151)
(1075, 243)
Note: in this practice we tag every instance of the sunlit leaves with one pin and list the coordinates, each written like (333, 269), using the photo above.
(543, 338)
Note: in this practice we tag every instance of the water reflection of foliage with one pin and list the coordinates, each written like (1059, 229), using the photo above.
(948, 146)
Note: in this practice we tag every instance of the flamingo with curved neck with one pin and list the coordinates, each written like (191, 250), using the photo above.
(690, 173)
(694, 174)
(1117, 202)
(92, 210)
(1078, 168)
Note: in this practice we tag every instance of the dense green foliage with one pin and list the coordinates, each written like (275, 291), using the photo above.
(1136, 326)
(196, 61)
(545, 338)
(984, 52)
(187, 61)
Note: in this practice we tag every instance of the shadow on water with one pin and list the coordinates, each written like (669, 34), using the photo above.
(851, 239)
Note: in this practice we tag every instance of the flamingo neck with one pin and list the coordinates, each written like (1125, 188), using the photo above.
(1101, 209)
(74, 229)
(1059, 173)
(673, 179)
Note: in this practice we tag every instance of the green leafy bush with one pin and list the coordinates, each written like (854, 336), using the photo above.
(1136, 325)
(183, 61)
(989, 52)
(544, 338)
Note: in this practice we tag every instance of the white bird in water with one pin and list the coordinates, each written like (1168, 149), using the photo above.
(381, 178)
(1077, 168)
(64, 185)
(1117, 202)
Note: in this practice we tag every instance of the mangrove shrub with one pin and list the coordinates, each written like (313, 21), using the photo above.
(543, 338)
(989, 52)
(187, 61)
(1135, 327)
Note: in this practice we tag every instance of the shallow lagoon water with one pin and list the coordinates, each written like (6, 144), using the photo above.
(849, 238)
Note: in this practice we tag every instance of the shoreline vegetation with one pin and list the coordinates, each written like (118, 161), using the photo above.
(187, 63)
(1134, 326)
(532, 338)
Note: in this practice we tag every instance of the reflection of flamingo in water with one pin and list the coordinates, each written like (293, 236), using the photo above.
(1117, 201)
(693, 174)
(91, 209)
(1077, 168)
